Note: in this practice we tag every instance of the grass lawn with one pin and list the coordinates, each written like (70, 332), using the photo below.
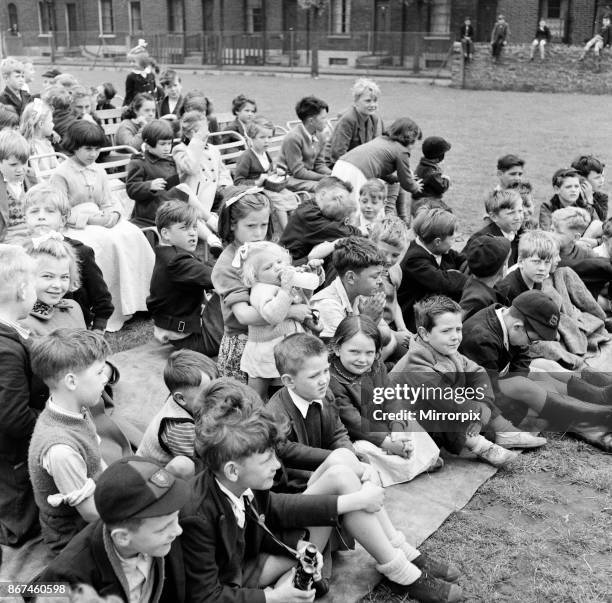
(541, 531)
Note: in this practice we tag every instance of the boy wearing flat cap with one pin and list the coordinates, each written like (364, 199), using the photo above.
(435, 183)
(129, 552)
(487, 259)
(498, 339)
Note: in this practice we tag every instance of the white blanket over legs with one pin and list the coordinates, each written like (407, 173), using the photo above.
(126, 260)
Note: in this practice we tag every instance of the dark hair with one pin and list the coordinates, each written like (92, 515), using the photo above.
(232, 211)
(351, 326)
(585, 164)
(560, 175)
(232, 424)
(310, 106)
(291, 353)
(174, 212)
(8, 117)
(66, 350)
(355, 253)
(509, 161)
(83, 133)
(139, 100)
(427, 310)
(195, 100)
(435, 223)
(169, 77)
(158, 129)
(405, 131)
(184, 368)
(108, 90)
(333, 182)
(239, 103)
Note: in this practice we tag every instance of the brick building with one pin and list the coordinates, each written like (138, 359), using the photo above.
(257, 30)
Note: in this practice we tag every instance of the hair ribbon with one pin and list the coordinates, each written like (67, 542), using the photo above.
(249, 191)
(52, 235)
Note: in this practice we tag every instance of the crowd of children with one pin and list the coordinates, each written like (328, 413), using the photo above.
(291, 292)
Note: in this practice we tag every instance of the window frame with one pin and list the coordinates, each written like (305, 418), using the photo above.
(344, 20)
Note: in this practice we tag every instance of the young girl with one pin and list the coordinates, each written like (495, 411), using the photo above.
(142, 75)
(57, 273)
(123, 253)
(36, 127)
(356, 369)
(244, 218)
(140, 113)
(46, 210)
(372, 197)
(255, 166)
(244, 109)
(15, 180)
(382, 156)
(274, 283)
(199, 164)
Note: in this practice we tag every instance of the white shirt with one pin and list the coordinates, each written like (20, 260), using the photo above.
(500, 316)
(237, 503)
(302, 404)
(509, 235)
(137, 572)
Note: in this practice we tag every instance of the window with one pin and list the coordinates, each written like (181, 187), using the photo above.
(553, 9)
(135, 17)
(13, 21)
(439, 17)
(43, 17)
(175, 15)
(106, 16)
(254, 16)
(339, 17)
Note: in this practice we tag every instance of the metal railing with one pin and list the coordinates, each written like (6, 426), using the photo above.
(293, 48)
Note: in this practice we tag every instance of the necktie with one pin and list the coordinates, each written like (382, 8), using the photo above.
(313, 425)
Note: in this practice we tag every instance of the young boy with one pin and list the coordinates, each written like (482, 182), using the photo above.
(315, 225)
(433, 359)
(505, 211)
(569, 224)
(152, 175)
(600, 40)
(541, 38)
(302, 148)
(435, 183)
(131, 552)
(372, 198)
(536, 253)
(229, 554)
(499, 38)
(357, 288)
(171, 431)
(466, 37)
(47, 210)
(497, 338)
(510, 170)
(568, 193)
(13, 74)
(179, 282)
(525, 190)
(172, 103)
(430, 266)
(22, 396)
(391, 237)
(64, 456)
(16, 178)
(592, 169)
(487, 259)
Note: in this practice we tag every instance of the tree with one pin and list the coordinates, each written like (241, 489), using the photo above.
(316, 7)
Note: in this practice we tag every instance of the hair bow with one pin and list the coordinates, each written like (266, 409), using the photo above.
(52, 235)
(241, 255)
(249, 191)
